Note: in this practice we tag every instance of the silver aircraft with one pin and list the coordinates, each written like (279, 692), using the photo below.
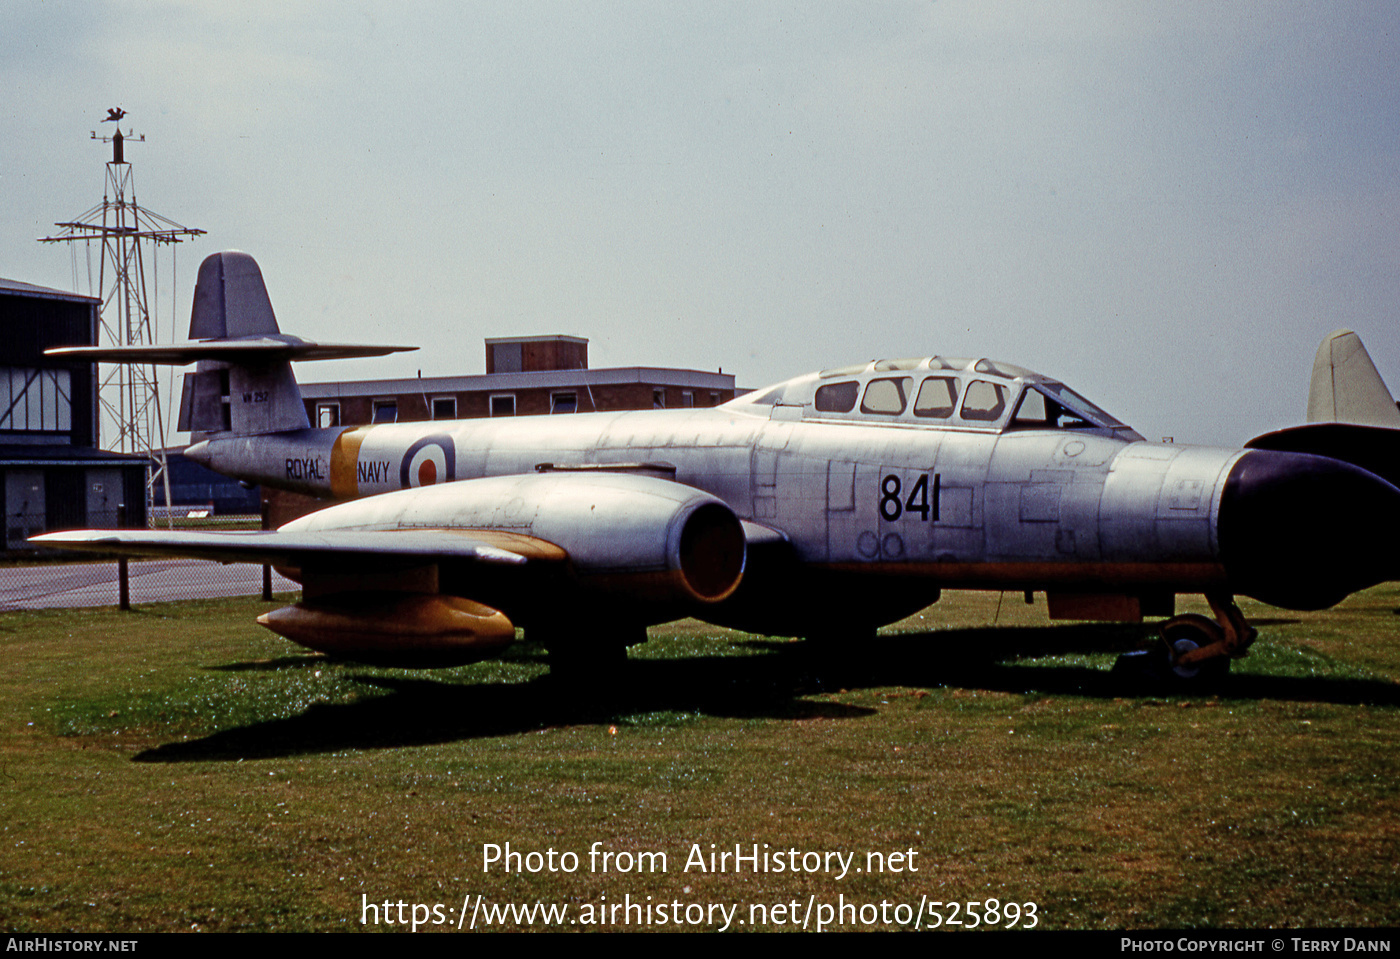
(825, 506)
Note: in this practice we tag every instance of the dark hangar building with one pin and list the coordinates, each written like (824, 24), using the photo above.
(54, 477)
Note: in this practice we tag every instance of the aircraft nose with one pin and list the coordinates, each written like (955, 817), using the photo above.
(199, 453)
(1303, 532)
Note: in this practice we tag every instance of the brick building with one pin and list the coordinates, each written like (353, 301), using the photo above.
(524, 376)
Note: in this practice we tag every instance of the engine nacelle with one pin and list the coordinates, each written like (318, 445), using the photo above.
(649, 540)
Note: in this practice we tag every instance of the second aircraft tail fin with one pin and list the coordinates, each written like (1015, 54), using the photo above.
(1346, 388)
(231, 304)
(243, 383)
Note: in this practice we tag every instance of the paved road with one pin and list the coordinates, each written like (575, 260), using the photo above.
(151, 581)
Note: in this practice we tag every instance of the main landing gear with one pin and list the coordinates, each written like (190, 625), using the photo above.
(582, 655)
(1195, 652)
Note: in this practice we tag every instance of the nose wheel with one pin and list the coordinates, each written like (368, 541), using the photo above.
(1183, 637)
(1195, 651)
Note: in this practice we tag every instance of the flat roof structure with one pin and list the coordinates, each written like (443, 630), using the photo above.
(43, 292)
(548, 379)
(527, 375)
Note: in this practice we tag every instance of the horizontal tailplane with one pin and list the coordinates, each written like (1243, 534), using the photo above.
(243, 383)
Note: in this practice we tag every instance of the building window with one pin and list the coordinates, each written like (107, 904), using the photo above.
(386, 411)
(503, 404)
(658, 399)
(563, 402)
(714, 398)
(507, 357)
(444, 407)
(327, 415)
(687, 398)
(36, 400)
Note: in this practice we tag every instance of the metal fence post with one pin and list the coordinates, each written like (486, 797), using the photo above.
(267, 568)
(123, 580)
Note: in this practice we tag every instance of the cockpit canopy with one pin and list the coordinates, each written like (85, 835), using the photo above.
(938, 391)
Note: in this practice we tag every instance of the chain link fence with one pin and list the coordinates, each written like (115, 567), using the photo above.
(31, 581)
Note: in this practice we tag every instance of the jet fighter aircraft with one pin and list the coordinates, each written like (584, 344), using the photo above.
(824, 506)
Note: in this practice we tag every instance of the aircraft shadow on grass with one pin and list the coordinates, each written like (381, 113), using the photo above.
(775, 684)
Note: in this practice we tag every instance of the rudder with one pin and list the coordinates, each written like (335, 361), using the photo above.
(230, 299)
(1346, 387)
(231, 302)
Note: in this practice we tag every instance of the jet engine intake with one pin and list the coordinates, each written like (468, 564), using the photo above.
(710, 558)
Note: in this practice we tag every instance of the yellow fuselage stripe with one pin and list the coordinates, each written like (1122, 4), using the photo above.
(345, 461)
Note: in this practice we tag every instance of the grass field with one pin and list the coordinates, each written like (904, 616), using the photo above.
(180, 768)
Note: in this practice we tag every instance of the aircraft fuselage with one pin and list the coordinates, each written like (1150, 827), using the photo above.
(1084, 516)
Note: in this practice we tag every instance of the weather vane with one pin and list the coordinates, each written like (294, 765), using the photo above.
(115, 114)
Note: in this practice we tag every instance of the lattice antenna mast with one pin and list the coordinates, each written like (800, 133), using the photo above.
(129, 236)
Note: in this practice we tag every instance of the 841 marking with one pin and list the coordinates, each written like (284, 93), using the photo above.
(920, 500)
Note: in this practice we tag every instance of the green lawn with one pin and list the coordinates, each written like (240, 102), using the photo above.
(179, 767)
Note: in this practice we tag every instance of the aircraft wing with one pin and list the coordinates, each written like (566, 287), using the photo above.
(283, 548)
(290, 549)
(248, 350)
(442, 573)
(356, 604)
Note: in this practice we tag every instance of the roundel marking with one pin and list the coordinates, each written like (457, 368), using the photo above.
(431, 460)
(868, 544)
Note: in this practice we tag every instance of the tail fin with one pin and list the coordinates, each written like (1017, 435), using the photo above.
(243, 383)
(231, 302)
(1345, 386)
(230, 299)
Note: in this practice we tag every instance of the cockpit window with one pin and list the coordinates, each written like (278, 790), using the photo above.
(1070, 399)
(938, 397)
(1038, 411)
(984, 402)
(837, 397)
(887, 395)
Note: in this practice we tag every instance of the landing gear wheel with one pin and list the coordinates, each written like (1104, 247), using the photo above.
(591, 660)
(1160, 667)
(1185, 634)
(1195, 651)
(832, 657)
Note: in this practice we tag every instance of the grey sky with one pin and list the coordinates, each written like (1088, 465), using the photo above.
(1166, 205)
